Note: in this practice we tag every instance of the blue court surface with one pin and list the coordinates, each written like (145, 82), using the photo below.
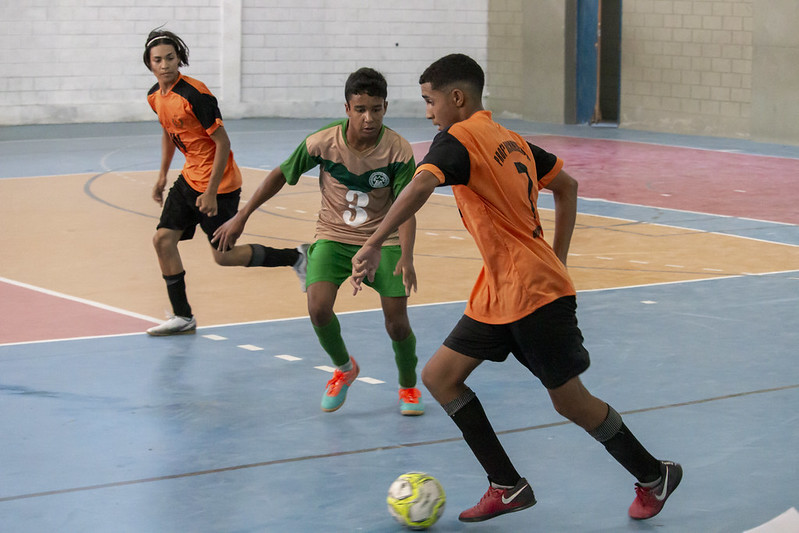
(222, 432)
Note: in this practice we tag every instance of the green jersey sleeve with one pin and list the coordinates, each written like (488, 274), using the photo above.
(299, 162)
(403, 173)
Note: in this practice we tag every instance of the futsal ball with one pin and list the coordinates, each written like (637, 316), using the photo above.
(416, 500)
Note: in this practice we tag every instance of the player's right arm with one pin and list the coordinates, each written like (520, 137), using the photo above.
(227, 234)
(167, 153)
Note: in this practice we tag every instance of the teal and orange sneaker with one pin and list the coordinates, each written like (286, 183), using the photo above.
(336, 389)
(411, 402)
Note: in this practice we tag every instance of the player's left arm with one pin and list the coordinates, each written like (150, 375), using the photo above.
(564, 191)
(206, 202)
(405, 268)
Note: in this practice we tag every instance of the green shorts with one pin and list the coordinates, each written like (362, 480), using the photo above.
(332, 261)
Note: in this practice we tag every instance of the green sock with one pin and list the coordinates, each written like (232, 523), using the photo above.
(405, 356)
(330, 338)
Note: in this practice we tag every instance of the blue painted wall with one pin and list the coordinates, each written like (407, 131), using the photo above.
(586, 79)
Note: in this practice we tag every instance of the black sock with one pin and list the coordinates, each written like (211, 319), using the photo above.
(468, 414)
(620, 442)
(176, 289)
(264, 256)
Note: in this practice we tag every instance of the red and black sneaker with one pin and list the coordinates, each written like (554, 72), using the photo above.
(496, 502)
(650, 500)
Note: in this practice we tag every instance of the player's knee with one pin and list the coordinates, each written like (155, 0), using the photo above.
(434, 380)
(398, 330)
(575, 411)
(320, 316)
(162, 242)
(224, 260)
(427, 377)
(564, 409)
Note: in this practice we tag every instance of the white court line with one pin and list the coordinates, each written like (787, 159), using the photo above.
(463, 302)
(250, 347)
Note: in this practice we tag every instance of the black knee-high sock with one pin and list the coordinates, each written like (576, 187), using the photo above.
(468, 414)
(176, 289)
(264, 256)
(620, 442)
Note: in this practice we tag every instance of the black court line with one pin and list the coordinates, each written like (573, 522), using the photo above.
(369, 450)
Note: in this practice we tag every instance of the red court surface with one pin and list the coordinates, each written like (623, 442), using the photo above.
(720, 183)
(31, 315)
(688, 179)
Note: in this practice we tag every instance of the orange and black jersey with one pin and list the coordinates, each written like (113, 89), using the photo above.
(495, 176)
(189, 114)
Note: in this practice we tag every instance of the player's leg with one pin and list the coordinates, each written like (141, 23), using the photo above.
(329, 264)
(403, 343)
(177, 222)
(257, 255)
(656, 479)
(394, 302)
(550, 343)
(250, 255)
(444, 376)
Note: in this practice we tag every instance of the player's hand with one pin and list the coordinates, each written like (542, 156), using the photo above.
(206, 202)
(364, 266)
(408, 272)
(227, 234)
(158, 190)
(158, 194)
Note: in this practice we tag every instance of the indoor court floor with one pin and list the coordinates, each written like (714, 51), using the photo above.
(685, 256)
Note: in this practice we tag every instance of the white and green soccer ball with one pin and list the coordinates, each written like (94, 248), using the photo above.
(416, 500)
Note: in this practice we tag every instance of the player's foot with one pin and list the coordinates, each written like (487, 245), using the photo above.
(176, 325)
(411, 402)
(336, 389)
(496, 502)
(650, 500)
(301, 266)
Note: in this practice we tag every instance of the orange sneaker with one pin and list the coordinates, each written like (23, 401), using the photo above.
(411, 402)
(337, 387)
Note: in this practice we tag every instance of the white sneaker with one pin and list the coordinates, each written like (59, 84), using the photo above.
(177, 325)
(301, 266)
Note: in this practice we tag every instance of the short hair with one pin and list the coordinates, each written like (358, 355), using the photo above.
(159, 36)
(366, 81)
(453, 69)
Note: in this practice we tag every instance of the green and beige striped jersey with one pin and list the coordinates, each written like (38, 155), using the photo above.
(357, 188)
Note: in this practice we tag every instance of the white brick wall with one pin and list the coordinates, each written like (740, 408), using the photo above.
(298, 54)
(80, 60)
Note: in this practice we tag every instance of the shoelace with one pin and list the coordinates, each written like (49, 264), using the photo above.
(410, 395)
(335, 383)
(490, 494)
(644, 493)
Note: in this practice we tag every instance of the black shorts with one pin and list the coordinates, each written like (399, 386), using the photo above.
(547, 341)
(180, 211)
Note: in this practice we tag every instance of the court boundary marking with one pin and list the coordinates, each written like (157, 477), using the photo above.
(185, 475)
(373, 310)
